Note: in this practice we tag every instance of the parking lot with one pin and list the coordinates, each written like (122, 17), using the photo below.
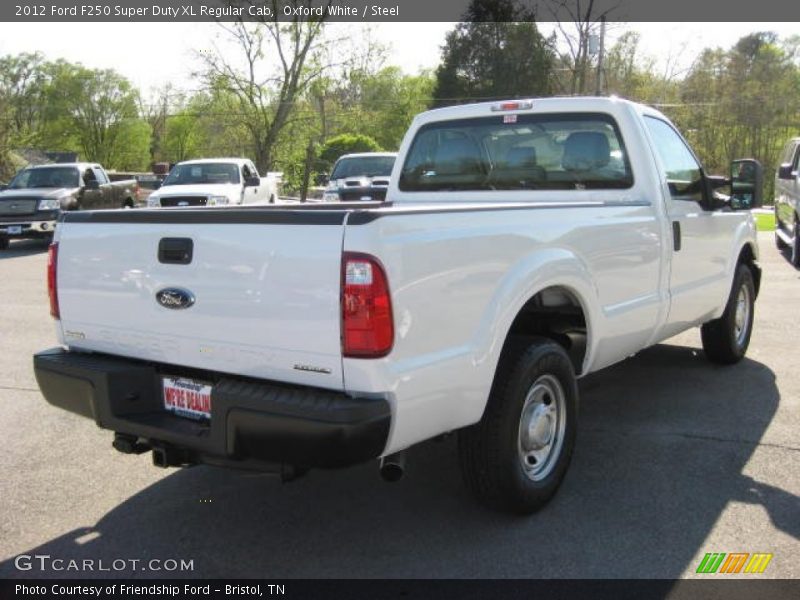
(675, 458)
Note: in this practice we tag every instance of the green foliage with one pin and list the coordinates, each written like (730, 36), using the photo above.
(346, 143)
(494, 57)
(742, 102)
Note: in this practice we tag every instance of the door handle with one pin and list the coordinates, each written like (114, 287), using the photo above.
(676, 236)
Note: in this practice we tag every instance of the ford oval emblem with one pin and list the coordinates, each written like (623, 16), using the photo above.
(175, 298)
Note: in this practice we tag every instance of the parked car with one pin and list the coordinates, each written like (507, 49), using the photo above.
(360, 177)
(215, 182)
(32, 202)
(525, 244)
(787, 200)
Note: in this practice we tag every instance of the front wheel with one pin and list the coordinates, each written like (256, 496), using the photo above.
(725, 340)
(796, 244)
(515, 458)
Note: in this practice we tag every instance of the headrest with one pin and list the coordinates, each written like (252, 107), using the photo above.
(458, 156)
(586, 150)
(521, 156)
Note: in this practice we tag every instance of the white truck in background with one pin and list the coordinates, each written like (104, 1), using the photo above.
(523, 244)
(215, 182)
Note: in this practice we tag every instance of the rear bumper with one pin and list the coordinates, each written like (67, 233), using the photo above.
(257, 422)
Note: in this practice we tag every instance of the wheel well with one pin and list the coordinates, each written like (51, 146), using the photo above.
(556, 313)
(747, 257)
(127, 202)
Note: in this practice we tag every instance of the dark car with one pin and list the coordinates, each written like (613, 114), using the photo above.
(360, 177)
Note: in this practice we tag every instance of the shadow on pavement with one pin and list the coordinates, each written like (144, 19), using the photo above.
(663, 440)
(24, 248)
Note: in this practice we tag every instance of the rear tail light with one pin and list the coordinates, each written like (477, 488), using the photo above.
(367, 323)
(52, 269)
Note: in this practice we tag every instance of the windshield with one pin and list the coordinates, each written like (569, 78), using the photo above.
(47, 177)
(518, 152)
(202, 173)
(363, 166)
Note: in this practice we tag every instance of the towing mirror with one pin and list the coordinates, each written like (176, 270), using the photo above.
(785, 171)
(322, 179)
(93, 185)
(747, 184)
(252, 182)
(3, 187)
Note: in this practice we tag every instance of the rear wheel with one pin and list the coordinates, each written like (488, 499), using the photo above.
(725, 340)
(515, 458)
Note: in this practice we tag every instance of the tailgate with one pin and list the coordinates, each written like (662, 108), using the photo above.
(266, 294)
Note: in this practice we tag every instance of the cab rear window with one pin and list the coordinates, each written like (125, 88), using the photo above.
(518, 152)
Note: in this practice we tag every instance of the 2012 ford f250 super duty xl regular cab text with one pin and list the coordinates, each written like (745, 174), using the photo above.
(523, 244)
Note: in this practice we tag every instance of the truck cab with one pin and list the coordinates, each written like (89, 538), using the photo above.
(215, 182)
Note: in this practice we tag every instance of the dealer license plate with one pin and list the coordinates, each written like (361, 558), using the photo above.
(187, 397)
(14, 229)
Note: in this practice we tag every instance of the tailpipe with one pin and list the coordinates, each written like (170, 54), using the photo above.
(393, 466)
(168, 456)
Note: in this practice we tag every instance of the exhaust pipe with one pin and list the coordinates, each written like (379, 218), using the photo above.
(129, 444)
(160, 458)
(393, 467)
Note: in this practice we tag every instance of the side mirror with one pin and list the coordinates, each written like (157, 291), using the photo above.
(322, 179)
(785, 171)
(156, 185)
(93, 185)
(252, 182)
(3, 187)
(747, 184)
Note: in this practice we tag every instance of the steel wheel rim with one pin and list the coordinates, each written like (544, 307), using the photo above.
(741, 321)
(541, 427)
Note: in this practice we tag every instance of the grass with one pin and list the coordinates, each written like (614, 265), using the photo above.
(765, 221)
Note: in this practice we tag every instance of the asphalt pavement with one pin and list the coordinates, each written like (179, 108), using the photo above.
(675, 458)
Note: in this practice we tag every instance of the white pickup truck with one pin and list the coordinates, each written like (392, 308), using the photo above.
(215, 182)
(523, 244)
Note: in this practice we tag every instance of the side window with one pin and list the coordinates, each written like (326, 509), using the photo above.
(99, 175)
(684, 173)
(788, 153)
(796, 162)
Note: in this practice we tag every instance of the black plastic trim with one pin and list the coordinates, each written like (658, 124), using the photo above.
(251, 420)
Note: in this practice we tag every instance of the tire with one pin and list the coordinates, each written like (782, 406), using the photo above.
(795, 258)
(3, 242)
(725, 340)
(509, 467)
(779, 243)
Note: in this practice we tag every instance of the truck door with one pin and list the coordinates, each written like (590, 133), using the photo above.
(787, 191)
(700, 241)
(108, 193)
(92, 197)
(252, 193)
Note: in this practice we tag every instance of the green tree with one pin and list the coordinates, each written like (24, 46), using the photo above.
(346, 143)
(491, 56)
(99, 108)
